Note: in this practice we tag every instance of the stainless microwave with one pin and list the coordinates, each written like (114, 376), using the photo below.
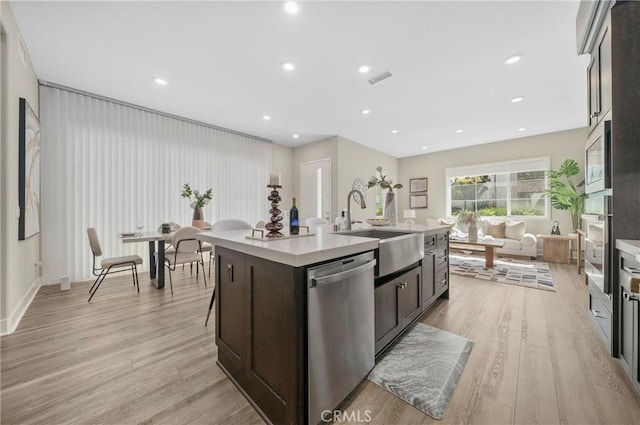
(598, 159)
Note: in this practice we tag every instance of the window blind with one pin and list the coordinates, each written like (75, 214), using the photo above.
(107, 164)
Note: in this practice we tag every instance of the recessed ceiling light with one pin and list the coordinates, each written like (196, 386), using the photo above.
(363, 69)
(459, 130)
(160, 81)
(424, 147)
(517, 99)
(266, 117)
(365, 112)
(291, 7)
(288, 66)
(522, 129)
(295, 136)
(513, 59)
(394, 131)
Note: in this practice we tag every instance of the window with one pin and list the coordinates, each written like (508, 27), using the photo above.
(514, 188)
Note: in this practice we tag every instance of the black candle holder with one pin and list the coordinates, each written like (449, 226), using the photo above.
(275, 225)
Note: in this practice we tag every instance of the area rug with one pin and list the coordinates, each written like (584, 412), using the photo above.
(532, 274)
(423, 368)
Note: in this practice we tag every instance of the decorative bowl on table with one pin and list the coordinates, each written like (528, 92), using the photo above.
(378, 221)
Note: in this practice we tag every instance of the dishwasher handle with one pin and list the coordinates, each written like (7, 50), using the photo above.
(338, 277)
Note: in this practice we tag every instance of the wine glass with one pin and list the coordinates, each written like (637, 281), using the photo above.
(139, 226)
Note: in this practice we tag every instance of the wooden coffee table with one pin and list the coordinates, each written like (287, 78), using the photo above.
(489, 245)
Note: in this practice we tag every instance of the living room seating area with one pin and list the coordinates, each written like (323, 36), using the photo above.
(516, 241)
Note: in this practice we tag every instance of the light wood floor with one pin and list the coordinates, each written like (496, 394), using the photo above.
(126, 358)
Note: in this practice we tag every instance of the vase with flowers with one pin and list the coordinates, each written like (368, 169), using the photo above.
(380, 179)
(469, 220)
(198, 201)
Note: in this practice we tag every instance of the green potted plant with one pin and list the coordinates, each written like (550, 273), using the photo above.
(564, 194)
(198, 201)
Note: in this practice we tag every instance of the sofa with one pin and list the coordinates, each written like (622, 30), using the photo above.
(512, 232)
(593, 241)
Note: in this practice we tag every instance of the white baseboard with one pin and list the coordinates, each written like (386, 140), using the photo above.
(9, 325)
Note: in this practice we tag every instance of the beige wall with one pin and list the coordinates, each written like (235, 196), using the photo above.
(349, 160)
(19, 277)
(327, 148)
(559, 146)
(356, 160)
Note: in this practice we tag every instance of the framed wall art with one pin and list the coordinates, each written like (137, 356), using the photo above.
(418, 201)
(28, 171)
(418, 185)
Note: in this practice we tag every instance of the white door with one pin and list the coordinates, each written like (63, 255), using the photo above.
(315, 190)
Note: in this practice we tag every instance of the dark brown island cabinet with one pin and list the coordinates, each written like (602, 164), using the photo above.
(262, 322)
(402, 298)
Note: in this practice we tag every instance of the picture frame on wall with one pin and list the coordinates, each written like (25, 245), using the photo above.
(418, 201)
(28, 171)
(418, 185)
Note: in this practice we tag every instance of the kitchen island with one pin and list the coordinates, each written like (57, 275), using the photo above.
(264, 314)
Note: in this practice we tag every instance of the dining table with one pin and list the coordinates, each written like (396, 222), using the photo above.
(156, 242)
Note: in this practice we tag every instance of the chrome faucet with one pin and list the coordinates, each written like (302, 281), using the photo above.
(363, 205)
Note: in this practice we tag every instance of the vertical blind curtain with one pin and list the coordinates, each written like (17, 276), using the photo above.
(107, 165)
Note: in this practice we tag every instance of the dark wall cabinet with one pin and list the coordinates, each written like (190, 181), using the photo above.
(259, 332)
(599, 77)
(610, 32)
(629, 328)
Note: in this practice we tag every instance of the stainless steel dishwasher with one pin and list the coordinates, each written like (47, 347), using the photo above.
(341, 330)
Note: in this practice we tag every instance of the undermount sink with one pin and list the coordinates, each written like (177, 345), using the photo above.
(396, 250)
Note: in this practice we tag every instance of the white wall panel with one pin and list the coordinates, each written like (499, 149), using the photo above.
(106, 164)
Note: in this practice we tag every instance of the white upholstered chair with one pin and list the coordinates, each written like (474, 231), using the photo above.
(110, 265)
(187, 250)
(230, 224)
(315, 221)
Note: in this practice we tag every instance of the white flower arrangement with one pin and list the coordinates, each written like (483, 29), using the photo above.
(198, 200)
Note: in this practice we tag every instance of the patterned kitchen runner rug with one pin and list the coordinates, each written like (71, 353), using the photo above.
(423, 368)
(531, 274)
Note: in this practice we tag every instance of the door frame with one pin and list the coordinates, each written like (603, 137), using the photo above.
(301, 192)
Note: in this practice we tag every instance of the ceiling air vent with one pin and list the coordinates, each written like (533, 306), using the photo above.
(380, 77)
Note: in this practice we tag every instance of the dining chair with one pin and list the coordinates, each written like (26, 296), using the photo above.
(220, 226)
(110, 265)
(316, 221)
(230, 224)
(207, 247)
(186, 250)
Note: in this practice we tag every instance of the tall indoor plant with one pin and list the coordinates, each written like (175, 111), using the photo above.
(380, 179)
(564, 194)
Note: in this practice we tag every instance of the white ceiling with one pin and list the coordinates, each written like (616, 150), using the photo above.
(223, 62)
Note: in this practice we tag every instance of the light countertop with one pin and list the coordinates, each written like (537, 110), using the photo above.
(322, 246)
(631, 247)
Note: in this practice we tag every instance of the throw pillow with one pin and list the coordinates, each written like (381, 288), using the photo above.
(447, 222)
(514, 229)
(496, 229)
(483, 225)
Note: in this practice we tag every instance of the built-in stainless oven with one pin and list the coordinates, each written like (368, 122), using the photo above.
(598, 158)
(596, 223)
